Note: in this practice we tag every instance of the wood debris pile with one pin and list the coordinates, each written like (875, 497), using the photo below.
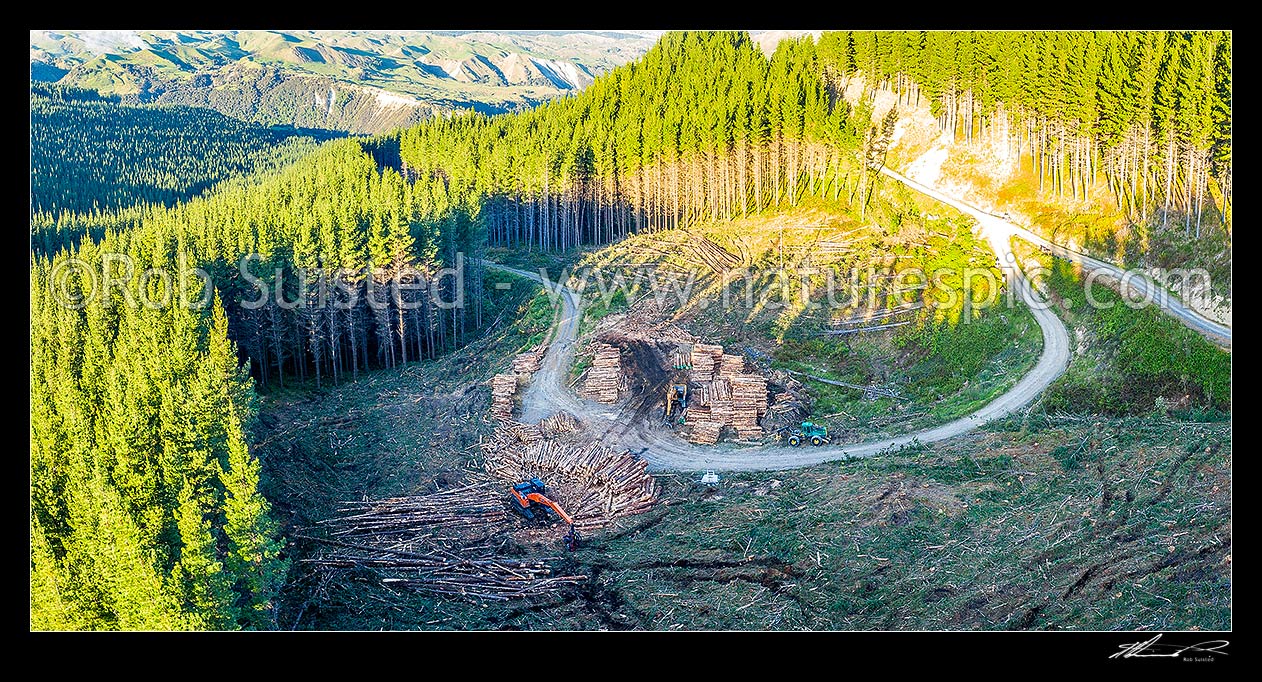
(790, 407)
(786, 411)
(435, 543)
(595, 484)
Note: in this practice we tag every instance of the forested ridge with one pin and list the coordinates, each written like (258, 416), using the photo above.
(127, 440)
(1147, 111)
(145, 508)
(703, 126)
(92, 154)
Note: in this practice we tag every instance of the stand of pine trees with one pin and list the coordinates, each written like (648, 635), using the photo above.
(90, 153)
(703, 127)
(145, 512)
(1147, 111)
(145, 509)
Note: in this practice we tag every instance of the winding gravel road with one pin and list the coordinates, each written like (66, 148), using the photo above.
(548, 393)
(1138, 283)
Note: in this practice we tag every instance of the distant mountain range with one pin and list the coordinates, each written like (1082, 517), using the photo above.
(357, 81)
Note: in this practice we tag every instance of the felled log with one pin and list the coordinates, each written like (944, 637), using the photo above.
(557, 424)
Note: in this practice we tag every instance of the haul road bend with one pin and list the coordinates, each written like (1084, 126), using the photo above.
(547, 392)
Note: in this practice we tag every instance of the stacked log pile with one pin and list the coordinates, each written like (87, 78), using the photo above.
(714, 256)
(435, 543)
(723, 394)
(595, 484)
(731, 366)
(718, 390)
(705, 432)
(749, 404)
(473, 574)
(503, 388)
(605, 379)
(705, 359)
(526, 364)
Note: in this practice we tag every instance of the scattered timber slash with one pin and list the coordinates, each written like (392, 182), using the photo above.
(475, 575)
(875, 315)
(474, 507)
(715, 257)
(856, 330)
(698, 250)
(435, 543)
(605, 379)
(595, 484)
(869, 392)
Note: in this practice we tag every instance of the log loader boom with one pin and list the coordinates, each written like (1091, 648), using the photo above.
(529, 500)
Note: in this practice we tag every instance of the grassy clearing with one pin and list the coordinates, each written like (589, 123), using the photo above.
(1129, 360)
(989, 532)
(1042, 522)
(945, 362)
(948, 375)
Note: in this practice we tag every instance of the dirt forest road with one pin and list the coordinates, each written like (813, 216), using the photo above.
(547, 392)
(1140, 285)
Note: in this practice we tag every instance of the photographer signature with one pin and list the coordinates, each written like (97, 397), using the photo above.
(1151, 649)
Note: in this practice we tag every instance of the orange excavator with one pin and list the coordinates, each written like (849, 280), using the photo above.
(529, 500)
